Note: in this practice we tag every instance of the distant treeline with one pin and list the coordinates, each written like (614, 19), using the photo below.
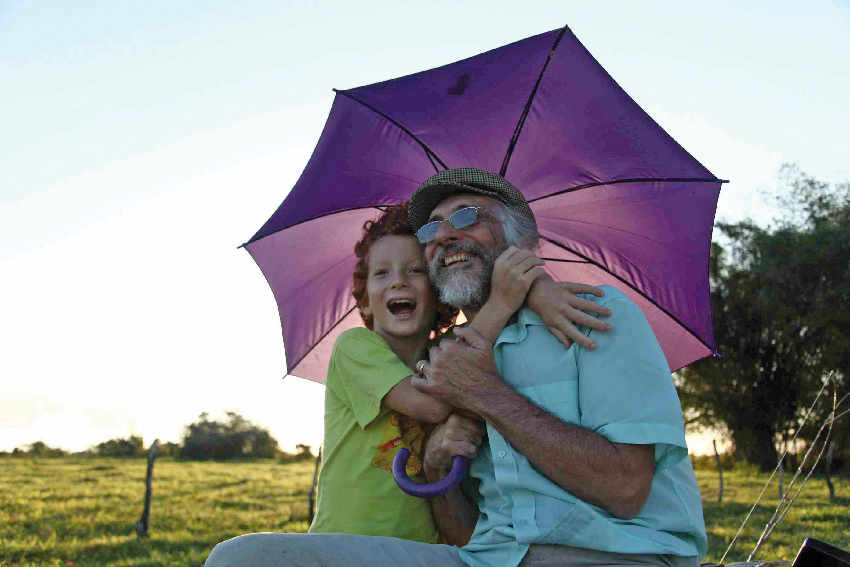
(206, 439)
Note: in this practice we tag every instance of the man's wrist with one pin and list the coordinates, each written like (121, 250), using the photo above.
(488, 400)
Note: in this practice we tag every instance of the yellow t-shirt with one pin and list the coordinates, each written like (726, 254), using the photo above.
(357, 493)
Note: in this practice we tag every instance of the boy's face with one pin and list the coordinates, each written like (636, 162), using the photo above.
(400, 297)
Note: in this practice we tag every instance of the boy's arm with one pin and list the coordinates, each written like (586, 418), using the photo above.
(409, 401)
(513, 273)
(560, 309)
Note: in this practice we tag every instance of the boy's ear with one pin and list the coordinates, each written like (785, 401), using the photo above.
(365, 309)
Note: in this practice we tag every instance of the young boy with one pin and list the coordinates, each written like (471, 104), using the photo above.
(371, 409)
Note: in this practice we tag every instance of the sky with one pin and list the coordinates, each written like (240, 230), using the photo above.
(142, 143)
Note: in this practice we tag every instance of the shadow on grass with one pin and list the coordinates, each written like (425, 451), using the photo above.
(139, 549)
(229, 484)
(158, 552)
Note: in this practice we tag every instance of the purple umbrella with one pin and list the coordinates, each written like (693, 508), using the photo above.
(617, 200)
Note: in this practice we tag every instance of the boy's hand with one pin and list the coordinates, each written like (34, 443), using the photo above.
(513, 273)
(562, 310)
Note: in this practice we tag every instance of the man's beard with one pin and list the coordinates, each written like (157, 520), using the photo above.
(467, 287)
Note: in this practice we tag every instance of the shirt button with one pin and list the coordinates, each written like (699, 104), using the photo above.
(502, 454)
(523, 522)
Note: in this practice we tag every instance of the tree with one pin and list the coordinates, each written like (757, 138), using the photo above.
(41, 449)
(234, 438)
(781, 309)
(120, 447)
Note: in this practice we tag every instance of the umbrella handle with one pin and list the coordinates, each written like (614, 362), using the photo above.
(426, 490)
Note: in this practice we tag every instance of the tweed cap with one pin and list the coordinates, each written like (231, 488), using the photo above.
(463, 180)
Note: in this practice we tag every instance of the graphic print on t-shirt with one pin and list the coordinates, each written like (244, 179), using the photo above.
(400, 431)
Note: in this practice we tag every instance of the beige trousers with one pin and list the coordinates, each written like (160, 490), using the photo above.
(323, 550)
(561, 555)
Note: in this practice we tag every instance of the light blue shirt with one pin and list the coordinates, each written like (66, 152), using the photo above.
(622, 390)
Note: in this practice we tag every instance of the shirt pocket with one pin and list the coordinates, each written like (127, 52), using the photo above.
(558, 398)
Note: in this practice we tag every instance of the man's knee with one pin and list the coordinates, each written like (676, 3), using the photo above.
(225, 554)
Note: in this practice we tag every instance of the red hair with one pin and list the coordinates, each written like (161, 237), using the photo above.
(392, 222)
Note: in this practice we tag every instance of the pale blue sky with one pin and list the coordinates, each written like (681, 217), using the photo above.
(140, 144)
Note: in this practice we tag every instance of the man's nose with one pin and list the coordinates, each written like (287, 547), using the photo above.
(447, 233)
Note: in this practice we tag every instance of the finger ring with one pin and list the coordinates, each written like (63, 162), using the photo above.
(420, 366)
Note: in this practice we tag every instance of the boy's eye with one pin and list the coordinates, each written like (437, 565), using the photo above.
(379, 273)
(417, 270)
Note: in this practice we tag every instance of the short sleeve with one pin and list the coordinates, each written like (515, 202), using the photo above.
(362, 370)
(626, 391)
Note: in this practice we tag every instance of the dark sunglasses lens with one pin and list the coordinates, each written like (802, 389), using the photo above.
(464, 217)
(428, 231)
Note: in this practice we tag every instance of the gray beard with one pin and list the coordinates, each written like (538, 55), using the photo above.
(468, 288)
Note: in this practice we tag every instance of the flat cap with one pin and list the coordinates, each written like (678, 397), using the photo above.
(463, 180)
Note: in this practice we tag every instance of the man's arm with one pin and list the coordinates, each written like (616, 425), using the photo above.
(614, 476)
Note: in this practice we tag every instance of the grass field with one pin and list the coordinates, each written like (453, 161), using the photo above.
(80, 512)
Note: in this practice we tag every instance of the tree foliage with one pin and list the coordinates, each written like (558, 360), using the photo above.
(235, 437)
(132, 446)
(781, 307)
(39, 449)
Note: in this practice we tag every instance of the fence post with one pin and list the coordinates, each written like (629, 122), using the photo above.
(312, 495)
(142, 525)
(719, 471)
(830, 453)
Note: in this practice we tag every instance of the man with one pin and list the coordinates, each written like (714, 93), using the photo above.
(585, 460)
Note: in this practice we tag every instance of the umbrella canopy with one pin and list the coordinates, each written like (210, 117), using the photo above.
(617, 200)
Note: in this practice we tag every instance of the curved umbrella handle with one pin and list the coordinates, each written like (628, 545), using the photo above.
(426, 490)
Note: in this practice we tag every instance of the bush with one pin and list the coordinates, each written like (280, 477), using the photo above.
(168, 449)
(133, 446)
(304, 453)
(39, 449)
(709, 462)
(234, 438)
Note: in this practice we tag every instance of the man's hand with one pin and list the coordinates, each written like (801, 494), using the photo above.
(460, 373)
(455, 436)
(562, 310)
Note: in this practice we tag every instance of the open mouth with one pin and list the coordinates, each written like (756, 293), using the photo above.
(457, 258)
(401, 306)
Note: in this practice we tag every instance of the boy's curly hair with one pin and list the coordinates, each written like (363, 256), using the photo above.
(392, 222)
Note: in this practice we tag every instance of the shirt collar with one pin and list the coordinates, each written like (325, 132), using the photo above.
(516, 332)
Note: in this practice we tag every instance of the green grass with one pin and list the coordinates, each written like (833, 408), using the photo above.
(813, 514)
(81, 512)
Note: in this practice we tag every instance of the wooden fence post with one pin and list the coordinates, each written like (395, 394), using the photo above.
(142, 525)
(719, 471)
(830, 453)
(312, 497)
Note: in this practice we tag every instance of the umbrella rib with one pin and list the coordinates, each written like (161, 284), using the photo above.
(428, 151)
(527, 107)
(335, 325)
(652, 301)
(633, 180)
(377, 207)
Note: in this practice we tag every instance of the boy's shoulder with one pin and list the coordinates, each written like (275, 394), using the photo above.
(358, 337)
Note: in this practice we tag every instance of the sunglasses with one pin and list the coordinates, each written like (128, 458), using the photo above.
(462, 218)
